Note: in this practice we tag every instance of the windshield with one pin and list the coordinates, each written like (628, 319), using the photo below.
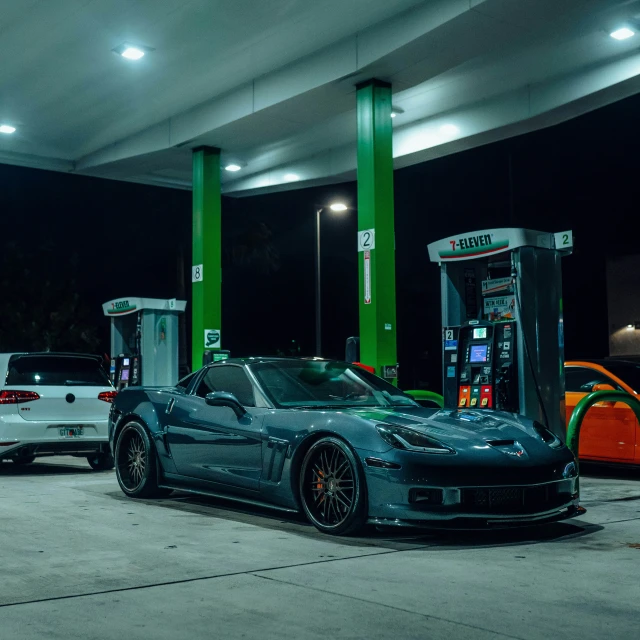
(628, 372)
(325, 384)
(56, 370)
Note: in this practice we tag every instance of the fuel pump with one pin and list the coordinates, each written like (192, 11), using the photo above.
(503, 339)
(144, 341)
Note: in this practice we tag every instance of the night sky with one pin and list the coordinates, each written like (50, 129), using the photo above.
(70, 243)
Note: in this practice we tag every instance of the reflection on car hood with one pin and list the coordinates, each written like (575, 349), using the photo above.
(451, 425)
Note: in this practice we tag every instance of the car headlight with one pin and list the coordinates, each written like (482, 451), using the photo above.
(411, 440)
(547, 436)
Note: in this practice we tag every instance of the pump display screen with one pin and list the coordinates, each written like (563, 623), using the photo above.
(124, 375)
(480, 334)
(478, 352)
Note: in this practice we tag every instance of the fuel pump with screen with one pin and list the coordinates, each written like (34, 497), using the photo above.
(502, 322)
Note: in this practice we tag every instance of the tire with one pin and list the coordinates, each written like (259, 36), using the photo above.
(23, 459)
(332, 488)
(136, 463)
(101, 461)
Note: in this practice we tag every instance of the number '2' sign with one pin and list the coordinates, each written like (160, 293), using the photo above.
(366, 240)
(564, 240)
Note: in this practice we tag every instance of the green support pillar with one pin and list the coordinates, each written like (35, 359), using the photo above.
(377, 267)
(206, 272)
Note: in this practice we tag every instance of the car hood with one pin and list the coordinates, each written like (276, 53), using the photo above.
(453, 426)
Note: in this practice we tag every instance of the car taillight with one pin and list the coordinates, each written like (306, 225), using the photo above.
(107, 396)
(17, 397)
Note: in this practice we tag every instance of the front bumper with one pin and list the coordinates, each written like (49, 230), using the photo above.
(40, 437)
(483, 521)
(445, 493)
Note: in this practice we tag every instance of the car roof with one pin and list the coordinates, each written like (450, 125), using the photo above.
(53, 353)
(266, 359)
(604, 362)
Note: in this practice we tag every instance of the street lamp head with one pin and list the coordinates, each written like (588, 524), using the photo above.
(338, 206)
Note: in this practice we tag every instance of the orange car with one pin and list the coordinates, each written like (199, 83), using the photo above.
(610, 431)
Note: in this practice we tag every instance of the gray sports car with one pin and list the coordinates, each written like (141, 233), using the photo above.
(340, 444)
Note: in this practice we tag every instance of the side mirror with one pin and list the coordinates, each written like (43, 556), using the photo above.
(602, 387)
(225, 399)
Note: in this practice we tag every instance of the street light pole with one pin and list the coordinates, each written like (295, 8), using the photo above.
(338, 207)
(318, 295)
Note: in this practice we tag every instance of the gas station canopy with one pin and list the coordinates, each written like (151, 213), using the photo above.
(272, 84)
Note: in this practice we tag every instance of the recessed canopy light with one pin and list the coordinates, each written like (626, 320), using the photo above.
(396, 111)
(622, 34)
(7, 128)
(291, 177)
(233, 167)
(132, 52)
(338, 206)
(449, 130)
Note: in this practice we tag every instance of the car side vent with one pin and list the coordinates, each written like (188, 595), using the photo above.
(501, 443)
(276, 459)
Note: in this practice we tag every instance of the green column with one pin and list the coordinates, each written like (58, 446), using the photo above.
(377, 270)
(206, 273)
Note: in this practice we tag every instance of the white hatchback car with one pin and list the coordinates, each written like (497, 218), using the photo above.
(54, 404)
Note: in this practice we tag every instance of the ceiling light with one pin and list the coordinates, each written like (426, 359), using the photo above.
(622, 34)
(338, 206)
(7, 128)
(396, 111)
(449, 130)
(291, 177)
(233, 167)
(132, 52)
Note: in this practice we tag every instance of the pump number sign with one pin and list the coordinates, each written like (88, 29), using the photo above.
(196, 273)
(366, 240)
(564, 240)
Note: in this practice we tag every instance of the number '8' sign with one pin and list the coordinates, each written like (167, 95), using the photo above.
(196, 273)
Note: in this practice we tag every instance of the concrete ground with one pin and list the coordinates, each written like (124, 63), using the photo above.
(79, 560)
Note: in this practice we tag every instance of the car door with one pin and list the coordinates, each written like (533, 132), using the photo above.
(608, 431)
(212, 443)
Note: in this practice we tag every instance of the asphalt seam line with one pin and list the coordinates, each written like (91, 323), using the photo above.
(200, 578)
(388, 606)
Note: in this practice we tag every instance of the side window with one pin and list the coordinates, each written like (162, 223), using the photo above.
(228, 378)
(185, 382)
(581, 379)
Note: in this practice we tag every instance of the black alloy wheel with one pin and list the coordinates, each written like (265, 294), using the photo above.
(101, 461)
(136, 463)
(332, 487)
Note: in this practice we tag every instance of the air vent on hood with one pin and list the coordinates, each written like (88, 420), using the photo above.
(501, 443)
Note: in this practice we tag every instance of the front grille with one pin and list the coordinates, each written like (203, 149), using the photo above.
(513, 499)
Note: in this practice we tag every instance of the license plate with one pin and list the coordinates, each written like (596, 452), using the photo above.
(71, 432)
